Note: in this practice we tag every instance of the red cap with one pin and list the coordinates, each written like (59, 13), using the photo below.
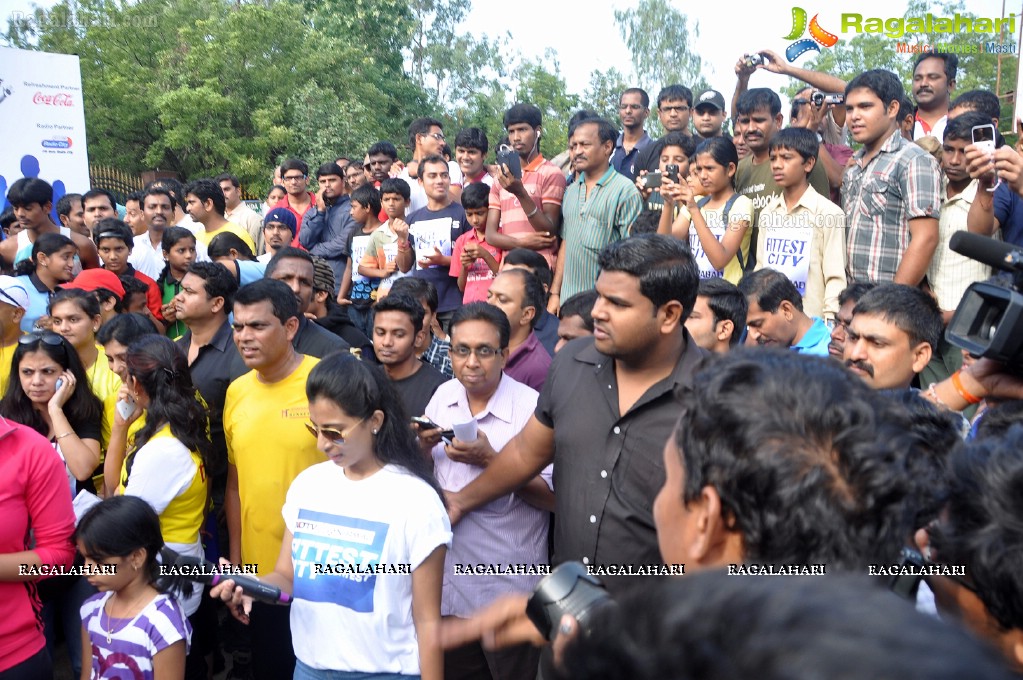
(91, 279)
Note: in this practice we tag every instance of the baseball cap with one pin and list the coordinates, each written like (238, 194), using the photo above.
(91, 279)
(711, 98)
(283, 216)
(13, 292)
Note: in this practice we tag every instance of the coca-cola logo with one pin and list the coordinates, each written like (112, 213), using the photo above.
(61, 99)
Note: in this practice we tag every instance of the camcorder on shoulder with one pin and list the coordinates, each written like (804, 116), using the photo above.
(989, 320)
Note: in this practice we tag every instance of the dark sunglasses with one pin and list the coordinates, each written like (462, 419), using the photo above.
(332, 435)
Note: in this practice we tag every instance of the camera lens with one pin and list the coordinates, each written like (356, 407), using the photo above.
(569, 589)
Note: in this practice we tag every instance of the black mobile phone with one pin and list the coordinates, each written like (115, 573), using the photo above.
(652, 179)
(427, 424)
(671, 172)
(510, 157)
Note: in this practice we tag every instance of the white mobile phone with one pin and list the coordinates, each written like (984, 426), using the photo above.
(984, 137)
(125, 407)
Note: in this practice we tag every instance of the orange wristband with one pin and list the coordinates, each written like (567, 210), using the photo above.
(958, 384)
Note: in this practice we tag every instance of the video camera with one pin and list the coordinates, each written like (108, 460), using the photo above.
(989, 320)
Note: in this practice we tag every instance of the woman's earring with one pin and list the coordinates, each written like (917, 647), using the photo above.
(374, 431)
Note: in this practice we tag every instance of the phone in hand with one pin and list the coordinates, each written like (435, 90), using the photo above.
(984, 139)
(125, 407)
(427, 424)
(671, 172)
(509, 157)
(652, 180)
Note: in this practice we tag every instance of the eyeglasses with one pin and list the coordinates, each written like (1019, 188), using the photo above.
(294, 178)
(439, 136)
(483, 352)
(672, 109)
(332, 435)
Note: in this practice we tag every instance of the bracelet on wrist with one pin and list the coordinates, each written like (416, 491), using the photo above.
(555, 294)
(536, 209)
(957, 383)
(66, 434)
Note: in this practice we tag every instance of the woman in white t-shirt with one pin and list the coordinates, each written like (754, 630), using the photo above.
(367, 531)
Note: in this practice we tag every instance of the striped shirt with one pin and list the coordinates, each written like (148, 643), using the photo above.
(593, 222)
(133, 642)
(902, 182)
(545, 185)
(951, 273)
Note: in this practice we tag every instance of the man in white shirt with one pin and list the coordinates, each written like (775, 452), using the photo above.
(238, 212)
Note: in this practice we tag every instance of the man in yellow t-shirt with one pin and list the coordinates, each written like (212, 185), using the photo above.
(13, 303)
(205, 203)
(265, 412)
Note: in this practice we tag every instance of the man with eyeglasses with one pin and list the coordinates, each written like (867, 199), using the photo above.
(674, 107)
(426, 138)
(513, 528)
(265, 412)
(633, 109)
(355, 176)
(295, 175)
(847, 300)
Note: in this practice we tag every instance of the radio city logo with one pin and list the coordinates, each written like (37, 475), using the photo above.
(62, 99)
(57, 143)
(818, 35)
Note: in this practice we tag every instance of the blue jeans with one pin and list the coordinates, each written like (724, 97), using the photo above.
(362, 318)
(304, 672)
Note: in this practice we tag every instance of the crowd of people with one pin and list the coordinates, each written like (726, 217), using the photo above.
(401, 397)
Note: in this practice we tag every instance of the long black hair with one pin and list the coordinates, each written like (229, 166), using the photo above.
(162, 371)
(119, 526)
(82, 407)
(359, 389)
(47, 244)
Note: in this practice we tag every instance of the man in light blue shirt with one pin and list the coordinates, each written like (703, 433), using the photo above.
(776, 317)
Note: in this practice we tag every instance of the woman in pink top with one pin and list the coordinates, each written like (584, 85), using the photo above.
(34, 494)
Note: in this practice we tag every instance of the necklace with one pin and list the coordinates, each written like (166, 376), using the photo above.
(110, 619)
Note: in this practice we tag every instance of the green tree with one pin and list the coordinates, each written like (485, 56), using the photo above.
(539, 84)
(604, 92)
(452, 66)
(661, 40)
(202, 86)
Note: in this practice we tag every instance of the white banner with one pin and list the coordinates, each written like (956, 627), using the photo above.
(43, 122)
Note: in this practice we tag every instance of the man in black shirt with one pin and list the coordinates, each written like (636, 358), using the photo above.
(608, 406)
(207, 292)
(397, 327)
(295, 268)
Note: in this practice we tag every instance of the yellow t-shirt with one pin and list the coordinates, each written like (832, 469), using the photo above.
(173, 480)
(267, 442)
(102, 379)
(6, 356)
(206, 236)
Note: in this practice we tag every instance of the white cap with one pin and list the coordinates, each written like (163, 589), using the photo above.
(13, 292)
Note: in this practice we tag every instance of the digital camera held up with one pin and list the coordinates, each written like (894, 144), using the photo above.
(821, 98)
(754, 60)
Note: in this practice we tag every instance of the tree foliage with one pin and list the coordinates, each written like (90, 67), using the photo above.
(604, 93)
(661, 40)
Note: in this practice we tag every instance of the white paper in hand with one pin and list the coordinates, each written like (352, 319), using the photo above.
(465, 432)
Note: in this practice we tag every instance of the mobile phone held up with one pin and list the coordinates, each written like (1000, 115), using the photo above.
(984, 139)
(509, 158)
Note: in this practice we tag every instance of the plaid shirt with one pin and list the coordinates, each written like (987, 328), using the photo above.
(438, 354)
(900, 183)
